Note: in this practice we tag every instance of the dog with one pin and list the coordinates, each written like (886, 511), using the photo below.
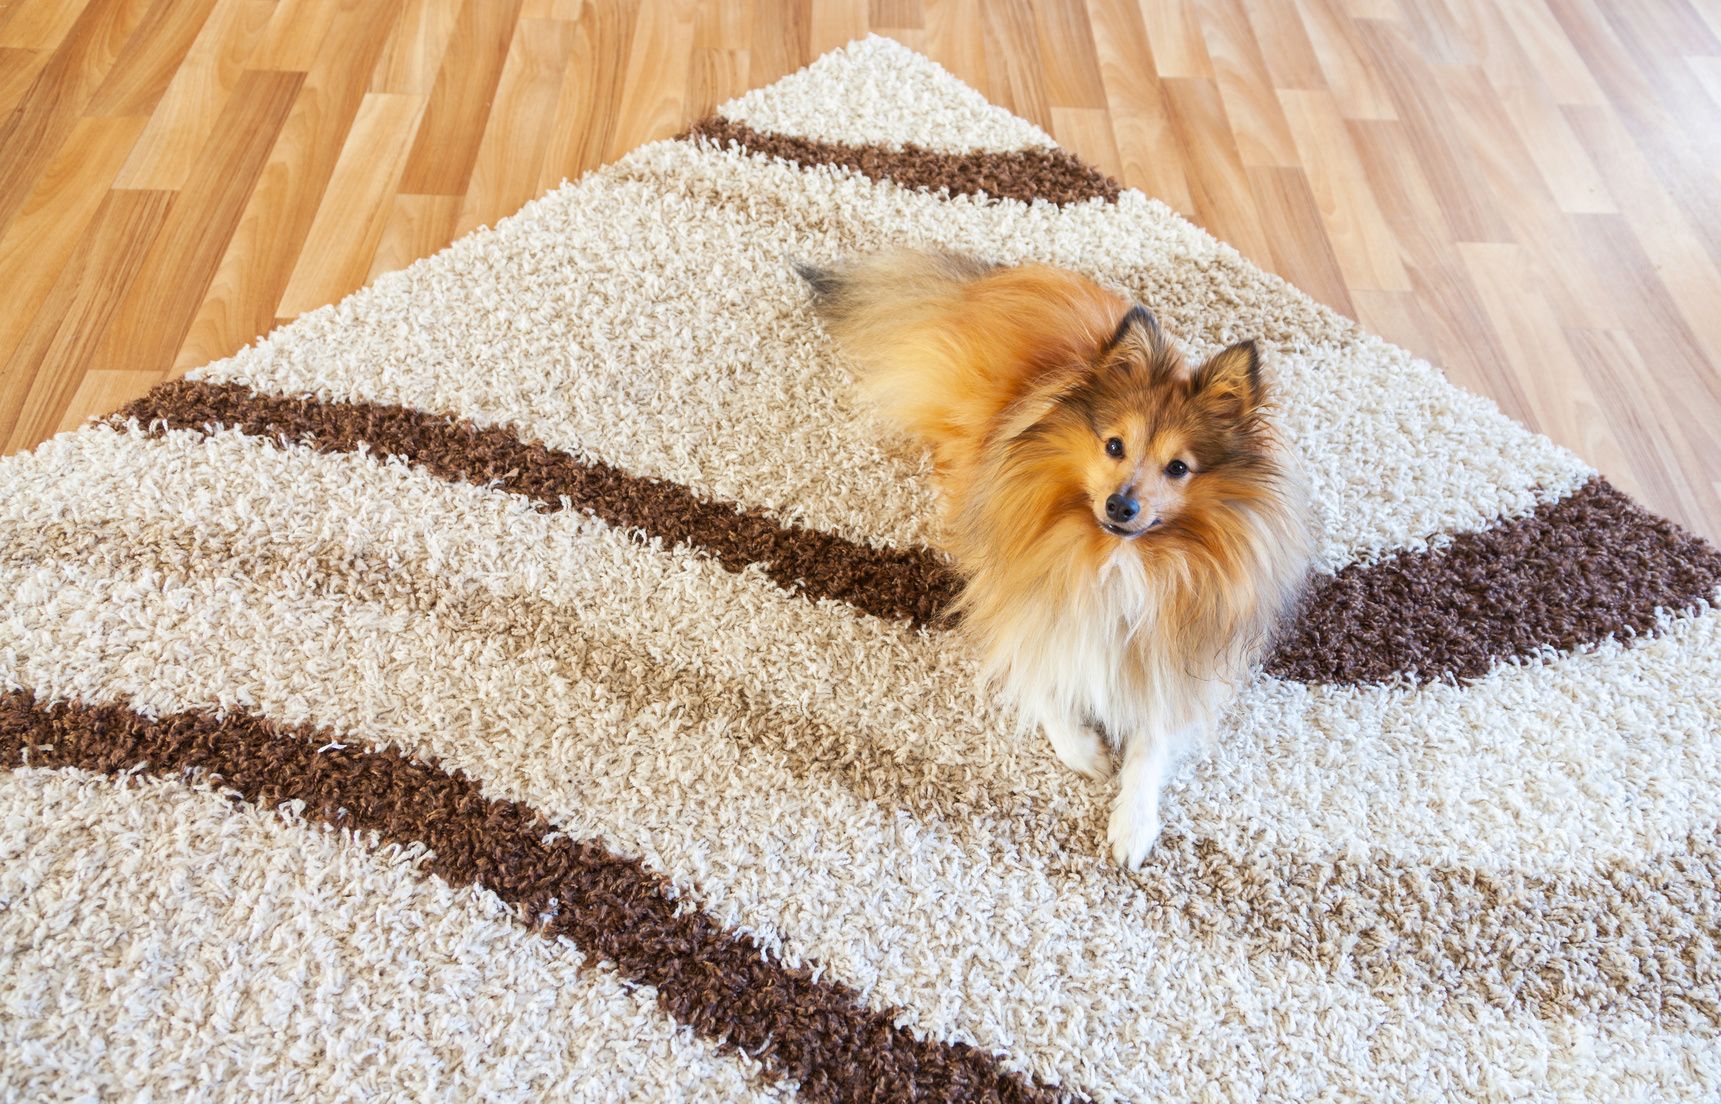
(1128, 528)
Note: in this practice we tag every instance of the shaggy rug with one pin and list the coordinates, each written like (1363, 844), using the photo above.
(524, 679)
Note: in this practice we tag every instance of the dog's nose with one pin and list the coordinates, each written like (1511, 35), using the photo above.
(1122, 508)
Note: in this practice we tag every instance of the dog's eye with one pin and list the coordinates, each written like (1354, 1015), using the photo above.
(1114, 448)
(1177, 469)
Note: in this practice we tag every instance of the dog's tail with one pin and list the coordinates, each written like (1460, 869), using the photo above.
(823, 281)
(942, 343)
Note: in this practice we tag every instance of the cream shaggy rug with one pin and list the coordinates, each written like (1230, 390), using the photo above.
(523, 680)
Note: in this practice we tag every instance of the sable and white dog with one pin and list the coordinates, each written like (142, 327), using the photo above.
(1128, 526)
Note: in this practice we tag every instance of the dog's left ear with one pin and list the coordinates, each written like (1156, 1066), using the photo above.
(1232, 376)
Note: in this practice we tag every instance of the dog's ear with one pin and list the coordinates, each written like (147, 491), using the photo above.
(1232, 376)
(1139, 323)
(1138, 343)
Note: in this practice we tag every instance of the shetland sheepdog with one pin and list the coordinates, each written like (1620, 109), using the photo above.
(1129, 528)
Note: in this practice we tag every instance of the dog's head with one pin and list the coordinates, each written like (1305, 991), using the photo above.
(1138, 443)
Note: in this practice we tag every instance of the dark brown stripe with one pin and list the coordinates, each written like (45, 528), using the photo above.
(1572, 573)
(1569, 574)
(1054, 175)
(897, 584)
(723, 984)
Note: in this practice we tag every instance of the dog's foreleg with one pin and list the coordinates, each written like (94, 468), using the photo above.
(1079, 747)
(1134, 825)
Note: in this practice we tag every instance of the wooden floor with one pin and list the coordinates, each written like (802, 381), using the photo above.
(1528, 192)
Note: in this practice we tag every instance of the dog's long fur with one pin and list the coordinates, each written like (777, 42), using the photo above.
(1019, 380)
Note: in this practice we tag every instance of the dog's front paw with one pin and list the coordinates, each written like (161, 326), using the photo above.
(1132, 833)
(1082, 750)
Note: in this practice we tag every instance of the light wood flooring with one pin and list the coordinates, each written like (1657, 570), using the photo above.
(1527, 192)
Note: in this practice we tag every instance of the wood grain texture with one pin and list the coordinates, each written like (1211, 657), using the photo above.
(152, 53)
(1524, 191)
(193, 100)
(242, 298)
(447, 140)
(37, 24)
(40, 242)
(511, 154)
(18, 69)
(50, 109)
(59, 340)
(343, 239)
(157, 310)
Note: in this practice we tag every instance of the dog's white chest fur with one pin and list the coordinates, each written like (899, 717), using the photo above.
(1099, 657)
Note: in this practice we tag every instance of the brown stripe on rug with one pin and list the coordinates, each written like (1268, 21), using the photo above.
(896, 584)
(1574, 572)
(1633, 938)
(1570, 574)
(723, 984)
(1053, 175)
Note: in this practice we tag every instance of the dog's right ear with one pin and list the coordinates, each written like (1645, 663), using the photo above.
(1137, 320)
(1139, 344)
